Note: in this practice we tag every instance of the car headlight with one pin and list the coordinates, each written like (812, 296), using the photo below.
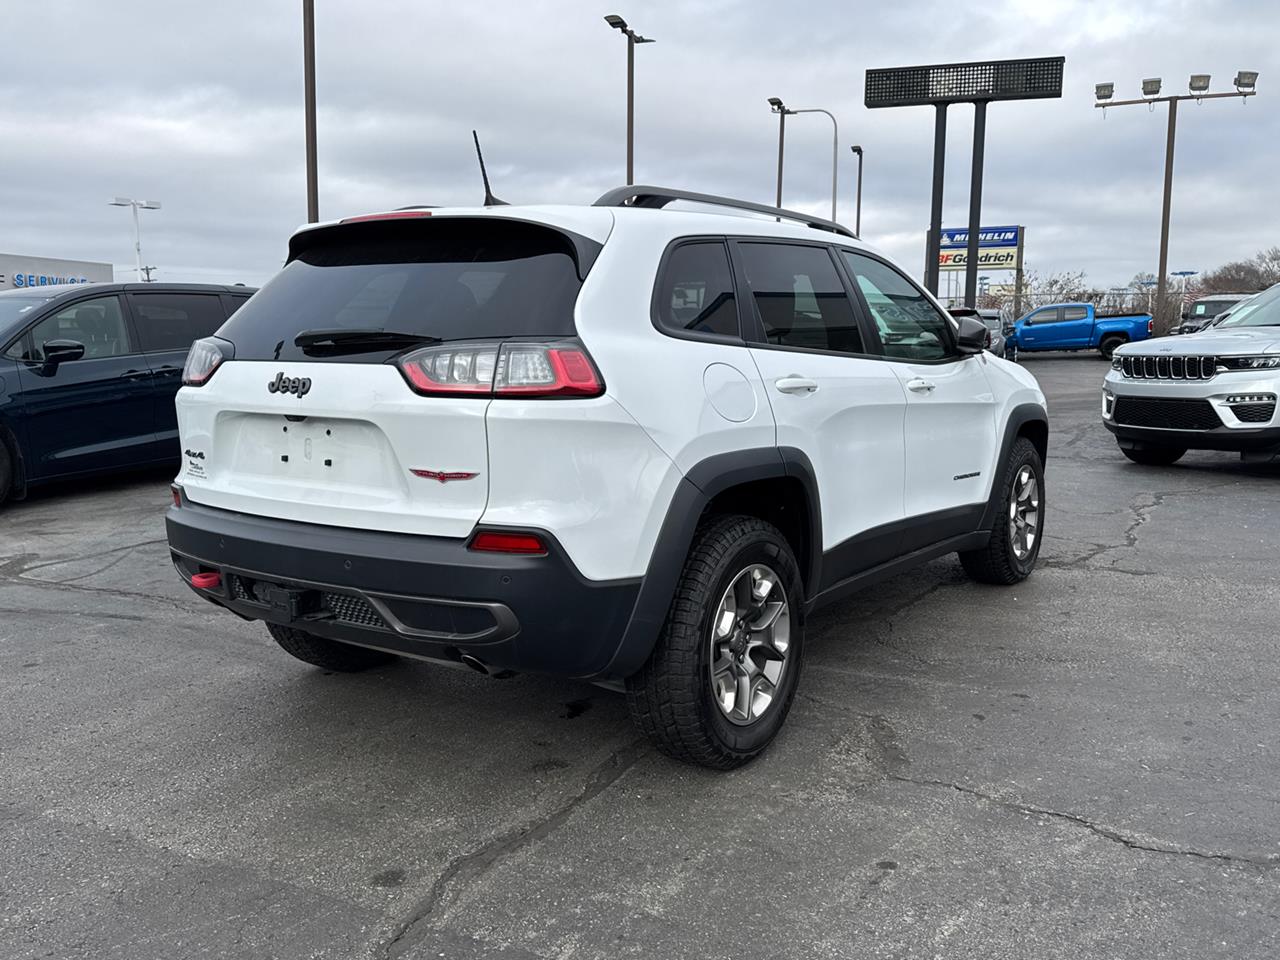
(1249, 363)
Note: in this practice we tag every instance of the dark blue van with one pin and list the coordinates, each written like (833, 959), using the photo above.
(88, 373)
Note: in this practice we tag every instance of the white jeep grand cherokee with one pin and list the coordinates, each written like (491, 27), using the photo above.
(623, 443)
(1214, 390)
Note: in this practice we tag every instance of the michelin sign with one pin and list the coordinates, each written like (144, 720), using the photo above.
(997, 248)
(18, 272)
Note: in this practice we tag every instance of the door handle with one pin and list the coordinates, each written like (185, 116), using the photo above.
(794, 384)
(921, 385)
(136, 375)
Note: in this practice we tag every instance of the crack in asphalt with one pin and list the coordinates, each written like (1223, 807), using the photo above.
(1107, 833)
(470, 867)
(27, 568)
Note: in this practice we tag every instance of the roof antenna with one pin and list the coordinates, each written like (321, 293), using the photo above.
(489, 199)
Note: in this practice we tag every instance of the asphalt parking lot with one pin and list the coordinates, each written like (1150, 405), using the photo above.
(1085, 765)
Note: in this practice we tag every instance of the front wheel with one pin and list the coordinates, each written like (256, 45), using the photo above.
(718, 685)
(1011, 550)
(1011, 352)
(6, 471)
(1154, 456)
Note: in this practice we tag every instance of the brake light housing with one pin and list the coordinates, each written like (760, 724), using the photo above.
(203, 360)
(550, 369)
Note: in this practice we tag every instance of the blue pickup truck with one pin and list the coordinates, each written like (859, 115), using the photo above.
(1075, 326)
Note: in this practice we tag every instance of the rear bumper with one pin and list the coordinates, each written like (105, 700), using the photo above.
(415, 595)
(1221, 438)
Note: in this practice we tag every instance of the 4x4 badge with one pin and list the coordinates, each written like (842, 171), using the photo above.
(282, 384)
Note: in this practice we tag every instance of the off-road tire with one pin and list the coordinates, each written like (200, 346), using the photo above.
(1154, 456)
(6, 471)
(1108, 346)
(996, 562)
(326, 653)
(670, 698)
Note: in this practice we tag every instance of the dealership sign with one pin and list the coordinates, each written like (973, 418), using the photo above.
(25, 271)
(997, 248)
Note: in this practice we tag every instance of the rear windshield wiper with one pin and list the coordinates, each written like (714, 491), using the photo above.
(355, 340)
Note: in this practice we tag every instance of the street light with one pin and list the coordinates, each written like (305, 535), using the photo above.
(1245, 81)
(857, 217)
(633, 38)
(1104, 91)
(777, 106)
(137, 230)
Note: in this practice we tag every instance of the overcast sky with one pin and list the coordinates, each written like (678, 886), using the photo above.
(200, 106)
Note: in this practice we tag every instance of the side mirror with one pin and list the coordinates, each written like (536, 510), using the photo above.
(972, 335)
(60, 351)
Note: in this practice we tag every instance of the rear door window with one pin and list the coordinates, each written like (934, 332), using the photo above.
(449, 279)
(799, 297)
(173, 321)
(1075, 313)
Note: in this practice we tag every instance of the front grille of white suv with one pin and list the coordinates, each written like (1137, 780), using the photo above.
(1169, 368)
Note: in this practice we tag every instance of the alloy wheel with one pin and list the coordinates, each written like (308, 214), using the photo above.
(750, 640)
(1024, 513)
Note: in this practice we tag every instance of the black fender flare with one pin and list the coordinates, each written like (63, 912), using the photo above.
(696, 489)
(1019, 417)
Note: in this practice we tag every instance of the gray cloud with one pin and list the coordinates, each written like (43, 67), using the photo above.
(199, 106)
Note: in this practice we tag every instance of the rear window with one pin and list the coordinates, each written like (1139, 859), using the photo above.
(451, 279)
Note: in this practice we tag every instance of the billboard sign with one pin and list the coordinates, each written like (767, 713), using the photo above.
(997, 248)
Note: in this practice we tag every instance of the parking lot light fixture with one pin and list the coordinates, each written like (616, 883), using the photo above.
(633, 38)
(778, 107)
(1246, 80)
(857, 216)
(136, 205)
(1104, 91)
(1199, 83)
(1151, 87)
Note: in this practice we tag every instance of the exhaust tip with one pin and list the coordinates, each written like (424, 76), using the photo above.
(474, 663)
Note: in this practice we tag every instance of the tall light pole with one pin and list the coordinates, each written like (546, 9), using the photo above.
(137, 229)
(1245, 82)
(633, 38)
(777, 106)
(857, 216)
(309, 104)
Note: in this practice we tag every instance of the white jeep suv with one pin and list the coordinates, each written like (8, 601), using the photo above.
(1214, 390)
(622, 443)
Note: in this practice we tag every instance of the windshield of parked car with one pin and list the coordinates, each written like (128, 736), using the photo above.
(1262, 311)
(17, 308)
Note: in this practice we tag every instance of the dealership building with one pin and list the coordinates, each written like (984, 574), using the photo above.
(20, 272)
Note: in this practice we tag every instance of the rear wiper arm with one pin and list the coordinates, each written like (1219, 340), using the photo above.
(355, 337)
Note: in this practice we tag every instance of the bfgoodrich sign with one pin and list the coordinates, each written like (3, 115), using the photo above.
(997, 248)
(18, 272)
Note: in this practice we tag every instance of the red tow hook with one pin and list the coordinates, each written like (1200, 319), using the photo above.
(206, 581)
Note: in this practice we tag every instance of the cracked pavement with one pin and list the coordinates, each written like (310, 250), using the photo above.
(1084, 765)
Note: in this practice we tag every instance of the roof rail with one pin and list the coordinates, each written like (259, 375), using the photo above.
(659, 197)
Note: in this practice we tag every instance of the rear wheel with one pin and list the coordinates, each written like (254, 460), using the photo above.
(1154, 456)
(326, 653)
(1011, 352)
(720, 680)
(6, 471)
(1014, 544)
(1108, 346)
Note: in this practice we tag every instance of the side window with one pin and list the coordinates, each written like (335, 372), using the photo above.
(232, 302)
(173, 321)
(1075, 313)
(799, 297)
(1047, 315)
(695, 291)
(911, 328)
(98, 324)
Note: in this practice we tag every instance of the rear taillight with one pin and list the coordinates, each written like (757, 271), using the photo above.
(177, 494)
(203, 360)
(1151, 325)
(559, 368)
(494, 541)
